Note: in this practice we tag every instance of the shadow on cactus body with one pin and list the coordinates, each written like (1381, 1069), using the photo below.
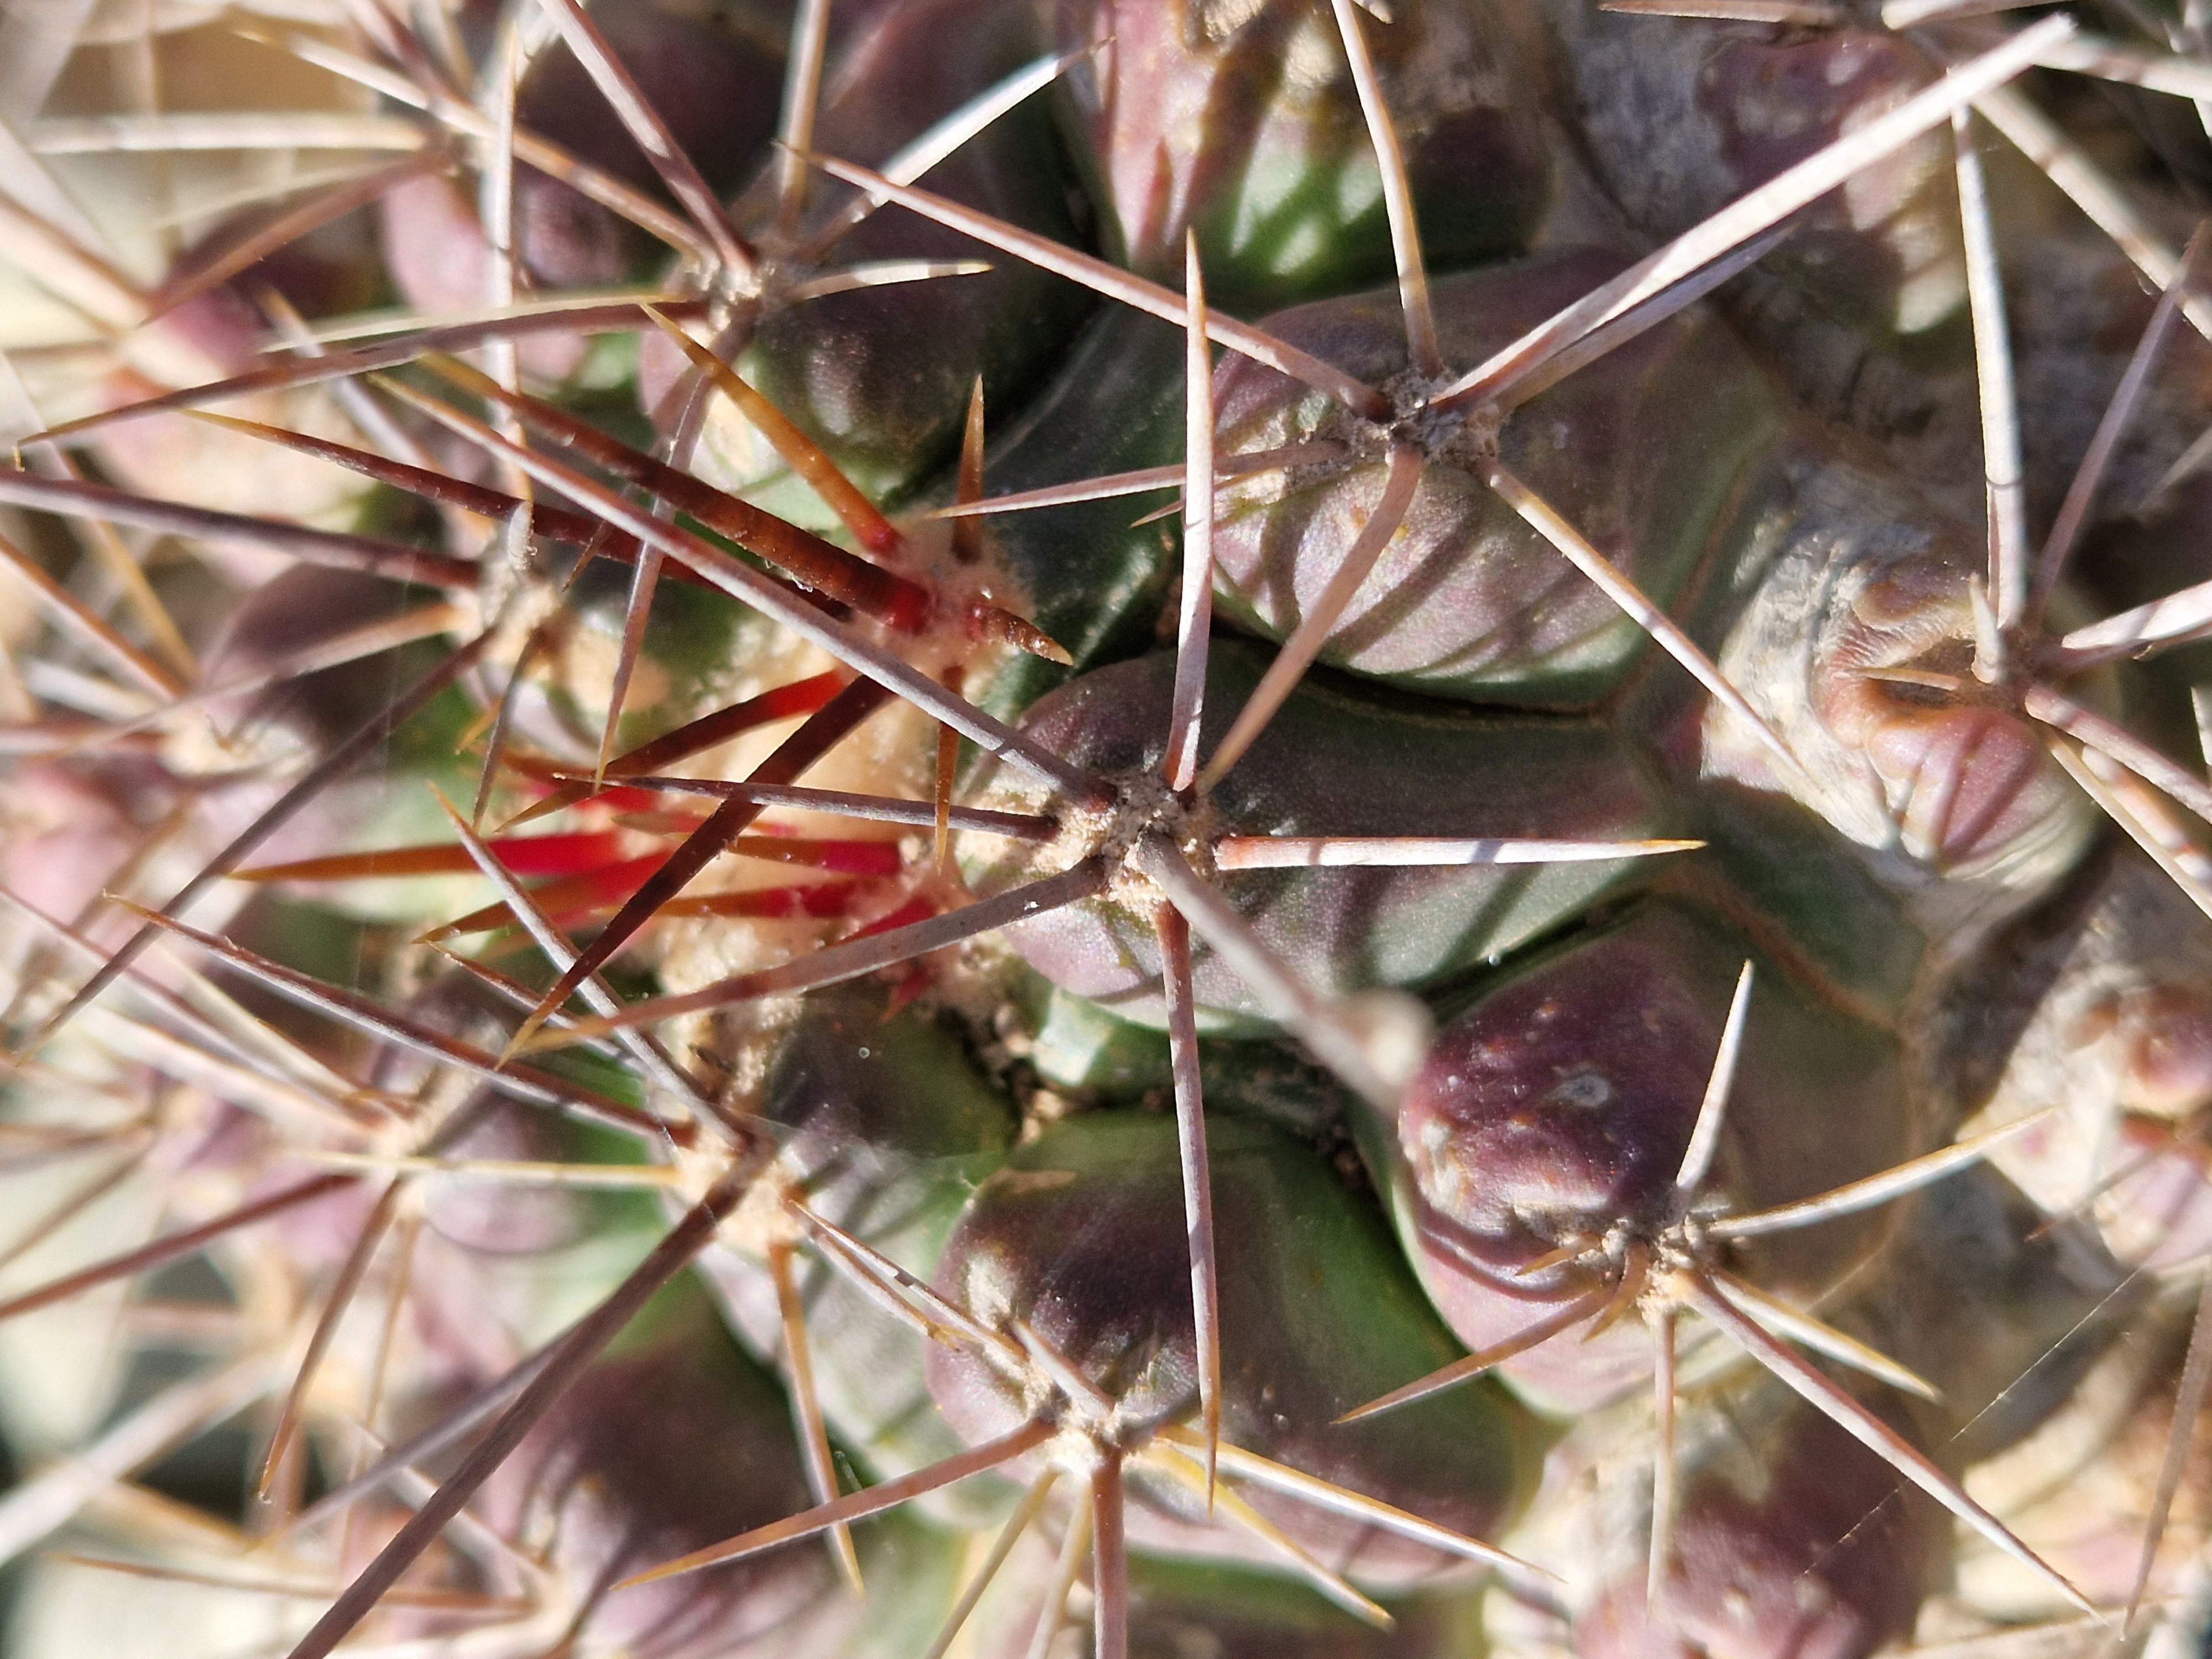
(1554, 1111)
(671, 1441)
(301, 716)
(880, 377)
(712, 73)
(2099, 1003)
(1792, 1541)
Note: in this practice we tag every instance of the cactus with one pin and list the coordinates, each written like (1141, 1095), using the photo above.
(1086, 826)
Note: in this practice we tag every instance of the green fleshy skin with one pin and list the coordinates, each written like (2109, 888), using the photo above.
(1078, 1046)
(891, 1128)
(1773, 866)
(1179, 1608)
(1340, 760)
(880, 376)
(1087, 574)
(1239, 125)
(1791, 468)
(1083, 1234)
(1466, 601)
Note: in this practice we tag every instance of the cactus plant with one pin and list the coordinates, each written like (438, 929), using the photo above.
(682, 979)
